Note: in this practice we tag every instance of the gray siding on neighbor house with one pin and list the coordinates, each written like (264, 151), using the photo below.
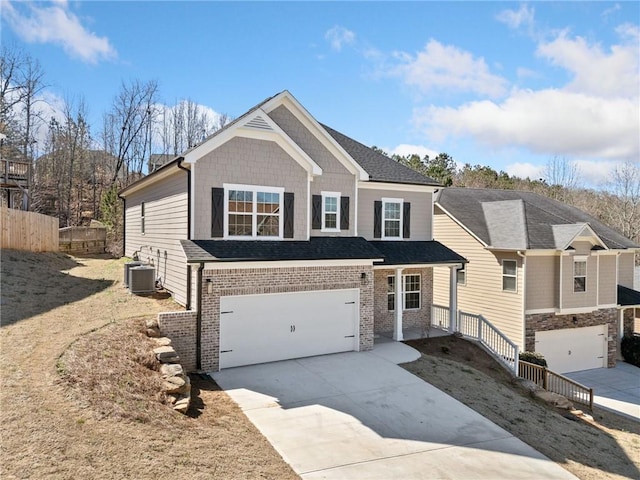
(335, 177)
(421, 212)
(607, 283)
(248, 162)
(568, 298)
(542, 282)
(165, 225)
(626, 267)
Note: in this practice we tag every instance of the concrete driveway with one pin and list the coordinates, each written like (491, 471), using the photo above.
(616, 389)
(359, 415)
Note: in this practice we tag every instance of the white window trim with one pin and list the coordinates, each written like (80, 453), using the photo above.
(404, 293)
(582, 259)
(254, 215)
(337, 196)
(382, 221)
(515, 290)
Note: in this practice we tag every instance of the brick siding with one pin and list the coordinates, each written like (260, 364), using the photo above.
(180, 327)
(550, 321)
(384, 318)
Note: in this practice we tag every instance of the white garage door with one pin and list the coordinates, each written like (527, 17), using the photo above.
(573, 349)
(271, 327)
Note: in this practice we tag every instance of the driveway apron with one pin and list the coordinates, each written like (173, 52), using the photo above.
(359, 415)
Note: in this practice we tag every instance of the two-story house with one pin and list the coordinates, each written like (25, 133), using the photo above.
(285, 238)
(552, 278)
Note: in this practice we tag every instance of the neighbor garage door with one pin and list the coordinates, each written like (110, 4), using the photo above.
(573, 349)
(266, 328)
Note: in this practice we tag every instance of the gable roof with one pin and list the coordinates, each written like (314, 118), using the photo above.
(379, 167)
(512, 219)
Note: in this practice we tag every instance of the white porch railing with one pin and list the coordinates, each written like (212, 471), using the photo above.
(482, 330)
(440, 317)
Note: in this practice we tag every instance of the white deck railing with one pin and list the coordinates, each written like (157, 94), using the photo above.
(440, 317)
(482, 330)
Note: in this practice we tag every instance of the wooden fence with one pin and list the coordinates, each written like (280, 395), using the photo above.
(554, 382)
(28, 231)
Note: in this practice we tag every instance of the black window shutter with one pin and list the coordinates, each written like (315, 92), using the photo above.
(288, 215)
(406, 220)
(316, 212)
(344, 213)
(377, 219)
(217, 212)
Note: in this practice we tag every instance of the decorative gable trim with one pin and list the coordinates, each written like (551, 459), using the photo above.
(587, 234)
(259, 126)
(303, 116)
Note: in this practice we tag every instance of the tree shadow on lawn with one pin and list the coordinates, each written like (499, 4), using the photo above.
(34, 283)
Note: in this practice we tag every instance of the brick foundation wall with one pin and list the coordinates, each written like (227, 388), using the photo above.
(550, 321)
(279, 280)
(384, 318)
(628, 321)
(180, 327)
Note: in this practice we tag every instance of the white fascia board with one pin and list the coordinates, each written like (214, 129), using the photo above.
(418, 265)
(404, 187)
(289, 101)
(594, 236)
(461, 225)
(240, 129)
(287, 264)
(151, 179)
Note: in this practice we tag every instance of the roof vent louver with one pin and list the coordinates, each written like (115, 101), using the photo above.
(142, 279)
(259, 123)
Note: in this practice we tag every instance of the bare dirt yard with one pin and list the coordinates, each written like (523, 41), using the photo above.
(79, 390)
(608, 448)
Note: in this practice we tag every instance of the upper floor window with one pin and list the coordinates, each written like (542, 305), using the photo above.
(330, 211)
(142, 217)
(391, 218)
(579, 275)
(253, 212)
(509, 275)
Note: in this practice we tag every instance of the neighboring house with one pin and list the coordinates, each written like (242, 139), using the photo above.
(284, 239)
(552, 278)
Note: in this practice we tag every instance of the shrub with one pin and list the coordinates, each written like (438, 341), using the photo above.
(533, 357)
(630, 348)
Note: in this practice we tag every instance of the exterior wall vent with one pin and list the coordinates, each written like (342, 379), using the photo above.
(258, 123)
(142, 279)
(127, 266)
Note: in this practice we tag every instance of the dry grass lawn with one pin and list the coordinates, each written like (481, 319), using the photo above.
(607, 449)
(79, 388)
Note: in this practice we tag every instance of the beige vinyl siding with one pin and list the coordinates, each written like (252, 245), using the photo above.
(421, 204)
(570, 299)
(483, 292)
(165, 225)
(248, 162)
(607, 284)
(542, 282)
(626, 266)
(335, 177)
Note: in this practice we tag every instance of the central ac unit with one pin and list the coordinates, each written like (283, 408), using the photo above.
(127, 266)
(142, 279)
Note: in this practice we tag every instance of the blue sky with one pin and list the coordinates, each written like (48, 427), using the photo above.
(505, 84)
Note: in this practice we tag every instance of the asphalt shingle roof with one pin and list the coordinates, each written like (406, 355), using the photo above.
(533, 217)
(628, 296)
(407, 253)
(379, 167)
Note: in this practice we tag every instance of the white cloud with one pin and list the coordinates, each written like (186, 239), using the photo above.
(525, 170)
(408, 149)
(595, 172)
(56, 24)
(338, 36)
(545, 121)
(446, 67)
(607, 74)
(514, 19)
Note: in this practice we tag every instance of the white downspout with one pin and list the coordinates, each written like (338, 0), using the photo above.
(453, 298)
(397, 327)
(524, 299)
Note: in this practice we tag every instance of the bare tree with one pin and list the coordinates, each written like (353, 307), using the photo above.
(127, 127)
(624, 211)
(562, 176)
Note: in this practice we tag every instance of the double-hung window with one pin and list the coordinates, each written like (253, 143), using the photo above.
(253, 212)
(330, 211)
(509, 275)
(579, 275)
(391, 218)
(410, 292)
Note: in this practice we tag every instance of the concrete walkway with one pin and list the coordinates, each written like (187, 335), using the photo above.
(616, 389)
(359, 415)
